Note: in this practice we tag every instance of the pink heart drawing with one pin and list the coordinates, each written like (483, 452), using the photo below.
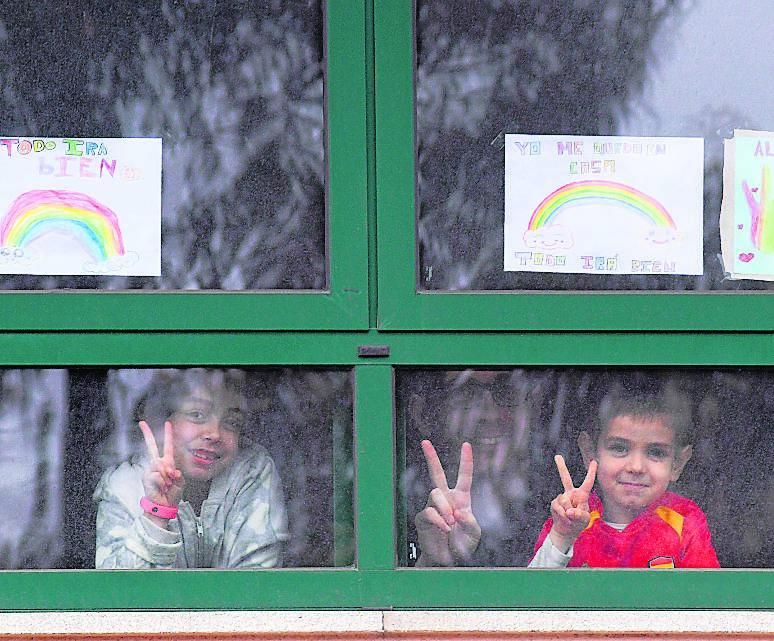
(746, 258)
(754, 189)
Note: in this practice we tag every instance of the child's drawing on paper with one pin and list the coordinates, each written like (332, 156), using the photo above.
(761, 213)
(747, 219)
(43, 217)
(543, 233)
(80, 207)
(585, 204)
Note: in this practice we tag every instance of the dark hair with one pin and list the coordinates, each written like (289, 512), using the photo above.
(169, 387)
(663, 401)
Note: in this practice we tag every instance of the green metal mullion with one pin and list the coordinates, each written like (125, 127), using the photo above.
(581, 349)
(375, 475)
(178, 590)
(394, 86)
(347, 192)
(580, 311)
(371, 165)
(409, 349)
(194, 311)
(387, 588)
(571, 589)
(58, 349)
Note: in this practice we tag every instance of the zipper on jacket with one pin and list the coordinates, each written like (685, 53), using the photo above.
(199, 541)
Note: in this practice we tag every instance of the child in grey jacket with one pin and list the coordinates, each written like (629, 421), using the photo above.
(203, 501)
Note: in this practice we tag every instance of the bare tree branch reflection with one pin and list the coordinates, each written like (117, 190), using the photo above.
(235, 89)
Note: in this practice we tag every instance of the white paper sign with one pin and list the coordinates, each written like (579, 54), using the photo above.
(603, 204)
(747, 212)
(80, 206)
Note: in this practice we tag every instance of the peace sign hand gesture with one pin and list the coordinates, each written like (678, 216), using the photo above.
(570, 510)
(447, 529)
(162, 481)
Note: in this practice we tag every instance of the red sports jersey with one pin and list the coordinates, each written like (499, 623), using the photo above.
(671, 533)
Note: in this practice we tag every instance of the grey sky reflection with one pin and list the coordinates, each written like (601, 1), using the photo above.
(715, 59)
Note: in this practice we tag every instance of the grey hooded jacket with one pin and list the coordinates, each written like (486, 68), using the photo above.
(242, 523)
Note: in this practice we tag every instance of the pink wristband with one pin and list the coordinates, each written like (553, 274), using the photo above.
(162, 511)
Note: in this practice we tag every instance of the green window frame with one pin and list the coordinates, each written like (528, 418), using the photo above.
(370, 119)
(375, 581)
(344, 305)
(403, 307)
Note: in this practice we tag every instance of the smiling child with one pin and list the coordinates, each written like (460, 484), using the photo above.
(205, 500)
(641, 445)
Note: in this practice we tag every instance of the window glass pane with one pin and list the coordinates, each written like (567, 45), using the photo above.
(235, 91)
(258, 486)
(638, 425)
(608, 68)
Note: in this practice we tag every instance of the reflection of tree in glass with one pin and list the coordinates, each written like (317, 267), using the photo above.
(32, 420)
(235, 91)
(304, 418)
(526, 66)
(517, 420)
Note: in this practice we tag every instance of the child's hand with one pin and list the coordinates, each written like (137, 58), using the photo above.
(163, 482)
(570, 510)
(448, 532)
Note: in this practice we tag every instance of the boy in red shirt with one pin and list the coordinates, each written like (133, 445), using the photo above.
(640, 447)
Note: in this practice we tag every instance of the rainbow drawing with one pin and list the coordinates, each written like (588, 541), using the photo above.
(42, 211)
(604, 192)
(761, 212)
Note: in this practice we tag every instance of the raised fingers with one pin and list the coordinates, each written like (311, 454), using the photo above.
(588, 482)
(440, 502)
(559, 509)
(564, 501)
(430, 515)
(434, 467)
(578, 514)
(169, 443)
(159, 475)
(465, 473)
(150, 442)
(564, 473)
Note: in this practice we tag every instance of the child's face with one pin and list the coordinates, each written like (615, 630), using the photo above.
(637, 458)
(206, 429)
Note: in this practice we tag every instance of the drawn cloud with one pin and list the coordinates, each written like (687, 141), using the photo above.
(548, 237)
(661, 235)
(114, 264)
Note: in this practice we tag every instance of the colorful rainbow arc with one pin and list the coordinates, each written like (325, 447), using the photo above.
(602, 191)
(38, 212)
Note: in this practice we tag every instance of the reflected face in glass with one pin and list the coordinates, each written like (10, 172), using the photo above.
(206, 429)
(637, 459)
(481, 406)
